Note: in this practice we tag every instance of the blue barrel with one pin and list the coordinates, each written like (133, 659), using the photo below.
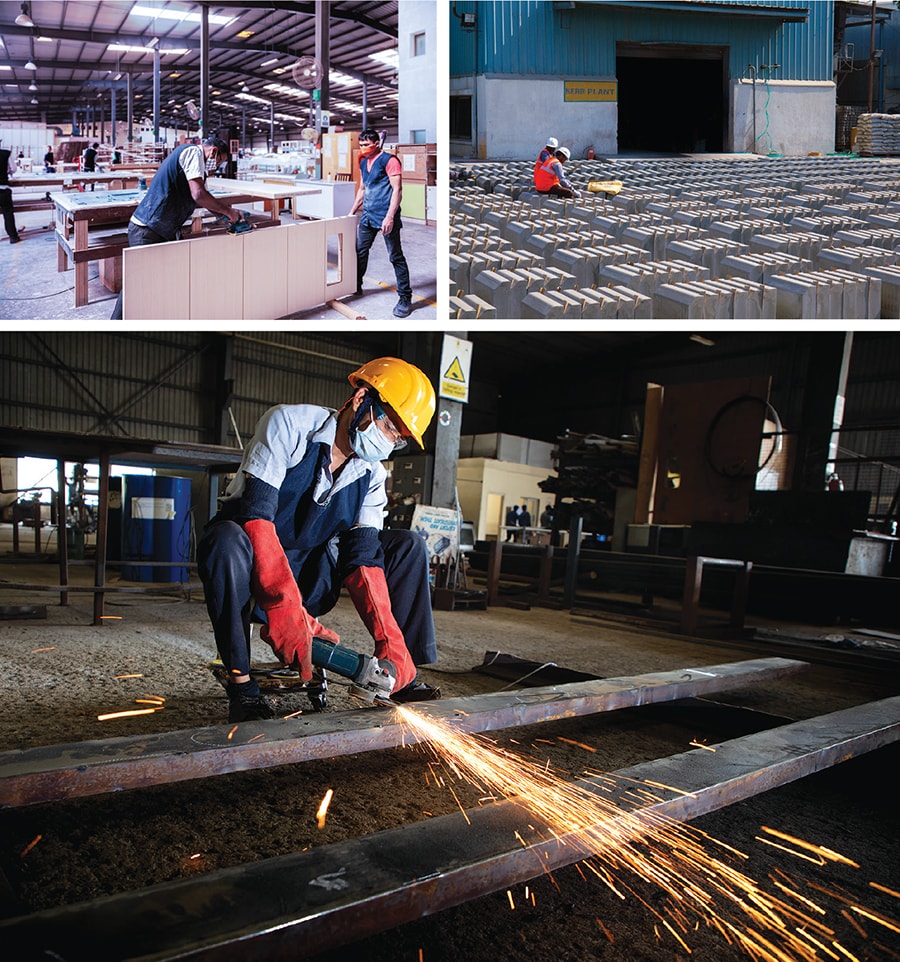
(156, 527)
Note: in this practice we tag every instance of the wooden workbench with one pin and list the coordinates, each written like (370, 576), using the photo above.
(84, 230)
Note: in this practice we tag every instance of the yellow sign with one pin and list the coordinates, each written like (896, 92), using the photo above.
(591, 90)
(456, 361)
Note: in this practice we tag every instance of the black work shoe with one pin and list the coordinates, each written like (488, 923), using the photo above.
(403, 307)
(417, 691)
(242, 708)
(15, 240)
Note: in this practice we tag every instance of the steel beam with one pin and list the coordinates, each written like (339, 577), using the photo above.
(55, 772)
(294, 906)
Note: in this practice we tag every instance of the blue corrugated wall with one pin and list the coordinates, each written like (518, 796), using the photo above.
(532, 37)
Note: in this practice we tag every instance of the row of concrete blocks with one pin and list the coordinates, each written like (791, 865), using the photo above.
(810, 295)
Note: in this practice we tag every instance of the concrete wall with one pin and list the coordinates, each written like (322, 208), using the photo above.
(800, 117)
(516, 113)
(417, 86)
(478, 478)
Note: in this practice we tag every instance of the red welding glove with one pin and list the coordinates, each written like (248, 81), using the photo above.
(369, 591)
(291, 628)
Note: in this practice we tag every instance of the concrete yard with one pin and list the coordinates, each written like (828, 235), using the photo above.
(688, 237)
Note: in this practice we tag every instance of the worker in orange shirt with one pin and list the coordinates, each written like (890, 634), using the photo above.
(549, 177)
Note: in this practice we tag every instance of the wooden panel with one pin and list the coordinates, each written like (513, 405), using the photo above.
(265, 273)
(345, 229)
(217, 277)
(306, 256)
(709, 445)
(156, 281)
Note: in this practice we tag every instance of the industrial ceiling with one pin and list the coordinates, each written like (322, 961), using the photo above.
(67, 64)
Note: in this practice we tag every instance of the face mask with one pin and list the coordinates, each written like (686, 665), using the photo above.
(367, 150)
(212, 162)
(372, 444)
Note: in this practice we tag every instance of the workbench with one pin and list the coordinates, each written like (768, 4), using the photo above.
(85, 230)
(271, 193)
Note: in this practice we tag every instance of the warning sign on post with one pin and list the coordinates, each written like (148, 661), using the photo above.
(456, 359)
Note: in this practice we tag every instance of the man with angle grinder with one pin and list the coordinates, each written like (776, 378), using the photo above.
(303, 518)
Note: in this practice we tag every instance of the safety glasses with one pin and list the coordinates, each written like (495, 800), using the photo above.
(380, 415)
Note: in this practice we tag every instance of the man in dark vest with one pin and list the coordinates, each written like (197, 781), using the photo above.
(303, 518)
(176, 189)
(7, 167)
(379, 194)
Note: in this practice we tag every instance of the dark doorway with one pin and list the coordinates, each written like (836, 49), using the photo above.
(671, 101)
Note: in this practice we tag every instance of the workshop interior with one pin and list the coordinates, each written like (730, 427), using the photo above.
(97, 96)
(662, 572)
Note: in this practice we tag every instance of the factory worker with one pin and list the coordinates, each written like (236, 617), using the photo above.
(7, 169)
(303, 517)
(549, 178)
(379, 195)
(547, 152)
(178, 186)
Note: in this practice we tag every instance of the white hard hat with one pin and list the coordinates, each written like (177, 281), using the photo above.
(552, 142)
(565, 152)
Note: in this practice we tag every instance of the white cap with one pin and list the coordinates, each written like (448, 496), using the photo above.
(565, 152)
(552, 142)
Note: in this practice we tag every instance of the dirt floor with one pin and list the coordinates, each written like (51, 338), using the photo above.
(61, 672)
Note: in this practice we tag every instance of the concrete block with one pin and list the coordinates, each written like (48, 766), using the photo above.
(542, 244)
(681, 302)
(630, 275)
(597, 305)
(502, 289)
(470, 307)
(890, 290)
(795, 298)
(578, 263)
(631, 305)
(459, 272)
(540, 305)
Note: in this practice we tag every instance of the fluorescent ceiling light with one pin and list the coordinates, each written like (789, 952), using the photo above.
(181, 15)
(129, 48)
(342, 79)
(32, 86)
(388, 57)
(5, 66)
(44, 39)
(266, 63)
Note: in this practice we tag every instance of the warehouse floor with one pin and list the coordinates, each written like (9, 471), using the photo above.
(31, 288)
(60, 672)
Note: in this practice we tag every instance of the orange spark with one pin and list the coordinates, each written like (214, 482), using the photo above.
(196, 855)
(609, 824)
(110, 617)
(323, 808)
(231, 733)
(569, 741)
(120, 677)
(605, 930)
(34, 651)
(818, 849)
(696, 744)
(30, 845)
(255, 737)
(126, 714)
(512, 903)
(880, 919)
(887, 891)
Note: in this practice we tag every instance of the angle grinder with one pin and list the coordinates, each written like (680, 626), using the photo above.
(372, 679)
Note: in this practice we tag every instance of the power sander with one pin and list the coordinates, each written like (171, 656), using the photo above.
(240, 226)
(373, 679)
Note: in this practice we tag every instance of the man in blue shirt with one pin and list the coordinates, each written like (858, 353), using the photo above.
(379, 195)
(303, 518)
(176, 189)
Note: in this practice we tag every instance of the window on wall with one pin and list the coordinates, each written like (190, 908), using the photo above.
(418, 45)
(417, 137)
(461, 117)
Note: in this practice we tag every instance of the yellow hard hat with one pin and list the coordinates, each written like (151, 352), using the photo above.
(404, 387)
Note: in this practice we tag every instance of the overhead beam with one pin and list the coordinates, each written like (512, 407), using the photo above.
(56, 772)
(296, 906)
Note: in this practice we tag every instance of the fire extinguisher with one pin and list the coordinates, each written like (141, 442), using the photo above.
(590, 153)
